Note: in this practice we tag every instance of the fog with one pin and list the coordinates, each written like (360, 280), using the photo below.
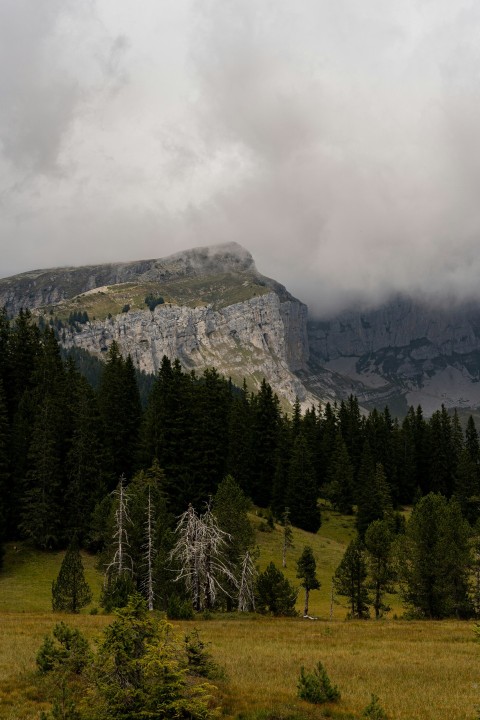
(338, 142)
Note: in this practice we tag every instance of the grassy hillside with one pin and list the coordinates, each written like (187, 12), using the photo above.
(419, 670)
(218, 290)
(26, 580)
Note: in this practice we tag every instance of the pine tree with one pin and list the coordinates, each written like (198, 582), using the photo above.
(265, 413)
(406, 459)
(70, 591)
(210, 439)
(339, 487)
(435, 559)
(118, 581)
(302, 495)
(275, 594)
(374, 499)
(230, 507)
(283, 454)
(150, 534)
(41, 514)
(168, 430)
(306, 572)
(287, 536)
(351, 579)
(467, 486)
(85, 459)
(378, 543)
(246, 584)
(239, 457)
(119, 405)
(200, 554)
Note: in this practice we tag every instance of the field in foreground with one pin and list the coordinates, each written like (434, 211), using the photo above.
(419, 670)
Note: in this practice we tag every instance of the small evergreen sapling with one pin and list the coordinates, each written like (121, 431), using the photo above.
(70, 591)
(315, 687)
(287, 536)
(374, 711)
(306, 572)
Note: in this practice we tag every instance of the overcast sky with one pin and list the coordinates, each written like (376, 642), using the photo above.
(338, 141)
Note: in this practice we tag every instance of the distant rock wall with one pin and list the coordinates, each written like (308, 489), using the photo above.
(428, 332)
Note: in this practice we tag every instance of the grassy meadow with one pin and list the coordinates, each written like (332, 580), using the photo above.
(419, 670)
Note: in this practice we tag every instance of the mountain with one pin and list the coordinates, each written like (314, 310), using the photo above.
(402, 353)
(210, 306)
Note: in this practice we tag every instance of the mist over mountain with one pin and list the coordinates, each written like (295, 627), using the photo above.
(340, 144)
(209, 306)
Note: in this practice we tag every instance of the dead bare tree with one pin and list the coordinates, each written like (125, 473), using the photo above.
(121, 562)
(200, 555)
(246, 585)
(150, 552)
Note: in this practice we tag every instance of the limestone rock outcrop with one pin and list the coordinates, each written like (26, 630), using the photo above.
(260, 337)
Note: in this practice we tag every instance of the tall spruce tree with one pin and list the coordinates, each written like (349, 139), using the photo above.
(42, 519)
(374, 499)
(210, 440)
(119, 405)
(168, 430)
(239, 457)
(302, 494)
(378, 543)
(150, 534)
(230, 507)
(307, 573)
(339, 488)
(435, 559)
(467, 487)
(350, 579)
(85, 460)
(70, 591)
(265, 425)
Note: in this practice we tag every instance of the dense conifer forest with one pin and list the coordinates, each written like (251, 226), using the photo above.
(79, 463)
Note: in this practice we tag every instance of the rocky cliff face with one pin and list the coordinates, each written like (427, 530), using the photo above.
(261, 337)
(404, 349)
(219, 311)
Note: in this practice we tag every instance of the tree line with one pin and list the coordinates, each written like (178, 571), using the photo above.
(64, 445)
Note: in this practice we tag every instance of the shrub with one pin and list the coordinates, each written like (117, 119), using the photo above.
(315, 687)
(178, 609)
(373, 711)
(152, 301)
(65, 649)
(200, 661)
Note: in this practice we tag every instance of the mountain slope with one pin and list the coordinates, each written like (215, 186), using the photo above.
(211, 307)
(401, 353)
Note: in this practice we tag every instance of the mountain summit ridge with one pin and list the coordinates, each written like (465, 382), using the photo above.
(215, 308)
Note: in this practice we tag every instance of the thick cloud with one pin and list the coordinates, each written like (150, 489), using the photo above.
(338, 142)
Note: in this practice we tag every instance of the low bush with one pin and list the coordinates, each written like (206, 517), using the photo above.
(373, 711)
(315, 687)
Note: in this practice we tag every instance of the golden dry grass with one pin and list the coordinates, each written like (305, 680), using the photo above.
(419, 670)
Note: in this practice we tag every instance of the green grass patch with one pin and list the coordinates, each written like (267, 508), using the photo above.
(26, 579)
(217, 290)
